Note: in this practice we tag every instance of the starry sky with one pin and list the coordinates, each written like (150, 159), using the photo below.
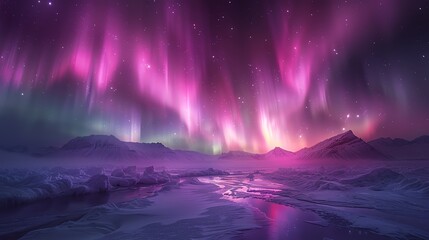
(214, 75)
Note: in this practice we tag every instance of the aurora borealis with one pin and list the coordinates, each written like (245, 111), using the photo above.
(213, 75)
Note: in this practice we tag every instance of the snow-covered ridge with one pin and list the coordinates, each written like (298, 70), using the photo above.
(342, 146)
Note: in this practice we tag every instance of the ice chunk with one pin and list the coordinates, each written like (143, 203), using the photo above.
(130, 170)
(149, 176)
(91, 171)
(98, 183)
(122, 181)
(118, 173)
(149, 170)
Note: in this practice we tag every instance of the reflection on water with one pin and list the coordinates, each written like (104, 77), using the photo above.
(75, 203)
(284, 222)
(292, 223)
(55, 205)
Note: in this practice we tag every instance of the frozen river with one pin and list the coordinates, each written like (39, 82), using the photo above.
(278, 205)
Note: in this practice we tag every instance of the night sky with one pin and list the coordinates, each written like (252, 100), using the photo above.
(214, 75)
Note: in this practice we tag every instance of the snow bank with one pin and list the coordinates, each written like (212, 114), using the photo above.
(380, 176)
(20, 186)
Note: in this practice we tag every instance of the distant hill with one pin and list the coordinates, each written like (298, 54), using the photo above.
(239, 155)
(402, 149)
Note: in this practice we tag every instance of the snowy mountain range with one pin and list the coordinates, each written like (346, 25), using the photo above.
(342, 146)
(399, 148)
(106, 147)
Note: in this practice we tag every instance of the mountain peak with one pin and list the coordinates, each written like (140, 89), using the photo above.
(279, 151)
(342, 146)
(346, 135)
(340, 139)
(349, 132)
